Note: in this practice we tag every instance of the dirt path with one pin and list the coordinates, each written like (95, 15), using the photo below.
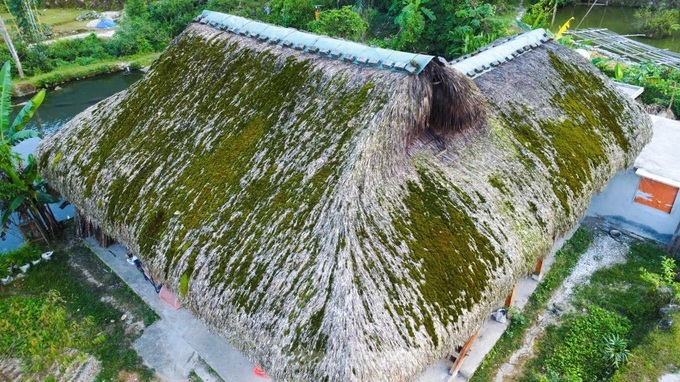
(603, 252)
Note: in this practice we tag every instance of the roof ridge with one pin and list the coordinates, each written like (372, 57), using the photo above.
(329, 47)
(499, 52)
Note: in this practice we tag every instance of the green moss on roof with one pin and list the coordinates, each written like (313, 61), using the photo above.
(453, 257)
(289, 199)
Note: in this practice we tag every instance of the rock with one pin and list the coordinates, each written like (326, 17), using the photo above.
(665, 290)
(666, 323)
(20, 90)
(91, 15)
(669, 309)
(57, 87)
(113, 15)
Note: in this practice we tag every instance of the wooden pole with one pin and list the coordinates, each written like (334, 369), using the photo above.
(511, 297)
(538, 269)
(463, 353)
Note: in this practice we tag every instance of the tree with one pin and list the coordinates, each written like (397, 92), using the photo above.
(26, 18)
(10, 46)
(411, 22)
(22, 190)
(343, 22)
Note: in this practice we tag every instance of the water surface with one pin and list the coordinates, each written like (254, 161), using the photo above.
(616, 19)
(57, 109)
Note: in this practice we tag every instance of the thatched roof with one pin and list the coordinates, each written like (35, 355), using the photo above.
(335, 220)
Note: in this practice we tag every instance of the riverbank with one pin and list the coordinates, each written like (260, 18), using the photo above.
(31, 85)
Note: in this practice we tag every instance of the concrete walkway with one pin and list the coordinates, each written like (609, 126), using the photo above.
(173, 344)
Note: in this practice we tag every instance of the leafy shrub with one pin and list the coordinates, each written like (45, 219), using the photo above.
(665, 279)
(616, 350)
(657, 24)
(343, 23)
(24, 254)
(579, 353)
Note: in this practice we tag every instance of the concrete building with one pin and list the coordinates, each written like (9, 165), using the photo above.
(643, 199)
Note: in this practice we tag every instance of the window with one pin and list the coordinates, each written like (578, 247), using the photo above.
(656, 195)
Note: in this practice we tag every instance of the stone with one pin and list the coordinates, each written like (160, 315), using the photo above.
(91, 15)
(665, 324)
(670, 309)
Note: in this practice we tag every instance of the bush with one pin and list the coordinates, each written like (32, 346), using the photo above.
(343, 23)
(22, 255)
(657, 24)
(580, 351)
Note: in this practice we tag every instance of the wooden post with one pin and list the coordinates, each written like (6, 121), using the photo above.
(537, 271)
(463, 354)
(511, 297)
(674, 244)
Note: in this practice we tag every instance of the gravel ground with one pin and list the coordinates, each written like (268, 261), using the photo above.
(604, 252)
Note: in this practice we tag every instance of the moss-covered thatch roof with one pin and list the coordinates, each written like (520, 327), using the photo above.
(336, 221)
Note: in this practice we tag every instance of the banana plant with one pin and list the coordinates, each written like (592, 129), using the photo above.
(15, 132)
(22, 190)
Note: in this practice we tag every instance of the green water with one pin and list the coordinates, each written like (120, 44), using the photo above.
(616, 19)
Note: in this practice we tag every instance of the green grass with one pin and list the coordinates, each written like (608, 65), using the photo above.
(620, 291)
(657, 354)
(81, 303)
(565, 260)
(70, 73)
(62, 21)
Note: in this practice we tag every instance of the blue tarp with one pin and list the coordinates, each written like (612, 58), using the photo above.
(106, 23)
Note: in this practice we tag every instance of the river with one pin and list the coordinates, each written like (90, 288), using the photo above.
(63, 104)
(57, 109)
(617, 19)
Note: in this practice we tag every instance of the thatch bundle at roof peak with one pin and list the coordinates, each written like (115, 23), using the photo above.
(340, 221)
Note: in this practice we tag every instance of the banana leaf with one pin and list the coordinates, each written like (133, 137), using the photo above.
(12, 207)
(19, 136)
(30, 173)
(45, 198)
(5, 98)
(26, 113)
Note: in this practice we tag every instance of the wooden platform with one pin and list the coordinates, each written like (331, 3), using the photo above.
(624, 49)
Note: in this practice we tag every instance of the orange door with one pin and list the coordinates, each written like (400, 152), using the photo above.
(656, 195)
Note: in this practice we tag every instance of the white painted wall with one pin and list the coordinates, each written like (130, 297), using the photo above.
(615, 203)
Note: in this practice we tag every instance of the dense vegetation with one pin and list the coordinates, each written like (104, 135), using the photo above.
(449, 28)
(660, 82)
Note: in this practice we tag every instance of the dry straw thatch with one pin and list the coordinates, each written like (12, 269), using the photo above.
(339, 222)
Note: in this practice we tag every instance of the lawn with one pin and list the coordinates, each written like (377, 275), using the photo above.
(62, 21)
(67, 311)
